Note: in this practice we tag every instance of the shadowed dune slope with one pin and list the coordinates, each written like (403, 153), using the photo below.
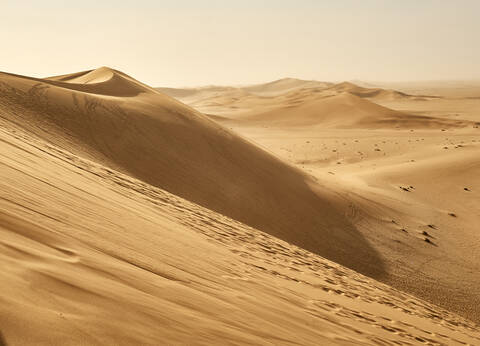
(91, 256)
(108, 117)
(346, 110)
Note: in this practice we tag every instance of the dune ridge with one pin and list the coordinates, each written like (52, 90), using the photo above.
(109, 259)
(113, 190)
(169, 145)
(306, 103)
(347, 110)
(381, 150)
(372, 93)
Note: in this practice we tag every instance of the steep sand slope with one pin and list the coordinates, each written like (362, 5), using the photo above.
(89, 255)
(400, 184)
(346, 111)
(112, 119)
(347, 141)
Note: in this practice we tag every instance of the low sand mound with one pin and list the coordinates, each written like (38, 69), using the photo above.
(133, 128)
(346, 111)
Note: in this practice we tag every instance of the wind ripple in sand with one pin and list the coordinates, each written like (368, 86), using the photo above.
(238, 284)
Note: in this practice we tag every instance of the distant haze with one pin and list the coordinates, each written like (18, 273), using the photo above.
(191, 42)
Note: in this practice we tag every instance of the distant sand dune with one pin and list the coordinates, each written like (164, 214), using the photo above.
(284, 85)
(347, 110)
(400, 158)
(375, 93)
(293, 102)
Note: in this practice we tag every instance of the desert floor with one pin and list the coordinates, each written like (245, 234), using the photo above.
(292, 212)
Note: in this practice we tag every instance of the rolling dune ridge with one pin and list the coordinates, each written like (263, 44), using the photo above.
(294, 212)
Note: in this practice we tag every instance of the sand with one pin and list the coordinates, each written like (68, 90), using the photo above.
(128, 217)
(401, 162)
(114, 120)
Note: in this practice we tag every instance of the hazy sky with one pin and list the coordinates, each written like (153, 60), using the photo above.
(198, 42)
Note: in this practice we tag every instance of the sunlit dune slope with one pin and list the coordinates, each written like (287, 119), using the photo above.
(102, 81)
(110, 118)
(401, 160)
(91, 256)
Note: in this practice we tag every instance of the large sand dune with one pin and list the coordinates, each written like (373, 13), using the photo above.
(92, 256)
(128, 217)
(112, 119)
(401, 162)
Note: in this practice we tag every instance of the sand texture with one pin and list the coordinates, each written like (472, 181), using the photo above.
(291, 212)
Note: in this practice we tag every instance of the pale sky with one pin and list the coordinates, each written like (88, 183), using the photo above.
(200, 42)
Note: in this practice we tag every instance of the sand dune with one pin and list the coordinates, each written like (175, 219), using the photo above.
(270, 89)
(346, 140)
(102, 81)
(400, 181)
(108, 259)
(128, 217)
(292, 102)
(348, 111)
(283, 86)
(133, 128)
(374, 93)
(227, 100)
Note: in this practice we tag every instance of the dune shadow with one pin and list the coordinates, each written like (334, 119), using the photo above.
(3, 342)
(186, 154)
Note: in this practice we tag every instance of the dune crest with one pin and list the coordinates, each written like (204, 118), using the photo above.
(293, 102)
(169, 145)
(127, 217)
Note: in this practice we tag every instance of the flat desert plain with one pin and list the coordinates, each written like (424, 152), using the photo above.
(287, 213)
